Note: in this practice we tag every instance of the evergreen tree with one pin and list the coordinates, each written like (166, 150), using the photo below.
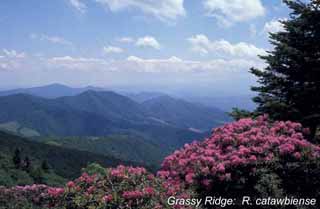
(45, 166)
(238, 113)
(27, 164)
(17, 158)
(290, 84)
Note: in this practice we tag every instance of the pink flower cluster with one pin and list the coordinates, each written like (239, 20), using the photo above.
(132, 194)
(86, 178)
(147, 192)
(122, 171)
(125, 187)
(32, 188)
(107, 198)
(55, 192)
(37, 194)
(71, 184)
(246, 142)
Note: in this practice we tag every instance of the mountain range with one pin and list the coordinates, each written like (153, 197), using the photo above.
(195, 117)
(220, 101)
(95, 120)
(50, 91)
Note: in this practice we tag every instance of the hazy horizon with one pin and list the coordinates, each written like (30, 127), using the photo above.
(205, 47)
(136, 90)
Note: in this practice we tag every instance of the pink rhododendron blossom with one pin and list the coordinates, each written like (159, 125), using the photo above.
(244, 143)
(91, 189)
(55, 192)
(221, 168)
(120, 187)
(297, 155)
(70, 184)
(149, 191)
(132, 194)
(107, 198)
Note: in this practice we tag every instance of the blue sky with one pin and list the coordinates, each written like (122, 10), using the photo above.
(203, 45)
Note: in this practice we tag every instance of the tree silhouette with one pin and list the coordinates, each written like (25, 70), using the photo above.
(290, 84)
(45, 166)
(17, 158)
(27, 164)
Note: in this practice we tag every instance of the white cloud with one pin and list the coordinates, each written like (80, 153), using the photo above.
(228, 12)
(12, 59)
(148, 41)
(131, 64)
(112, 49)
(200, 43)
(172, 72)
(143, 42)
(125, 40)
(172, 59)
(73, 59)
(77, 63)
(172, 64)
(164, 10)
(18, 61)
(78, 5)
(273, 26)
(52, 39)
(13, 54)
(177, 65)
(140, 65)
(222, 48)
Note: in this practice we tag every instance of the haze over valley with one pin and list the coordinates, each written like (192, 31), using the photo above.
(139, 127)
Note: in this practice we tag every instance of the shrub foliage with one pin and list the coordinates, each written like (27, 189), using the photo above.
(248, 157)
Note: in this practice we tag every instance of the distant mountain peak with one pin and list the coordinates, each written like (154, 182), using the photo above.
(55, 85)
(92, 92)
(165, 97)
(89, 92)
(53, 90)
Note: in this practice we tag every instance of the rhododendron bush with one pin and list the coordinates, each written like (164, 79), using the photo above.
(248, 157)
(25, 197)
(121, 187)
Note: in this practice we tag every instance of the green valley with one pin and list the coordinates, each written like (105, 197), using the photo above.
(44, 163)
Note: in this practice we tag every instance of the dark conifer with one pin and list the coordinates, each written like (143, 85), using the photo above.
(290, 84)
(27, 164)
(45, 166)
(17, 158)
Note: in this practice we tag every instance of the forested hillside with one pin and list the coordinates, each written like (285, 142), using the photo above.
(50, 163)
